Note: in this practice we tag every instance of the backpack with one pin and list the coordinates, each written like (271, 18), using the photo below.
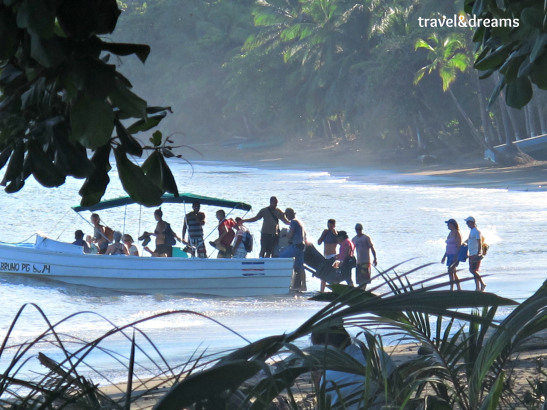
(109, 233)
(248, 242)
(169, 235)
(485, 246)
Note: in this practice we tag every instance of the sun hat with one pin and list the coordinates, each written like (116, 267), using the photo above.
(469, 219)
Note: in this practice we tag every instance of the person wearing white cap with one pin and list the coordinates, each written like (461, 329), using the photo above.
(474, 243)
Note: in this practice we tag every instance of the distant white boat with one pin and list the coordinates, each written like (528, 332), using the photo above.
(536, 147)
(48, 259)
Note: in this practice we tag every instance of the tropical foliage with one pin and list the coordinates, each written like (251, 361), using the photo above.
(465, 360)
(519, 54)
(60, 97)
(324, 71)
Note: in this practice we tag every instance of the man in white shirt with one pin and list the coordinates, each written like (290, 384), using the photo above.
(474, 244)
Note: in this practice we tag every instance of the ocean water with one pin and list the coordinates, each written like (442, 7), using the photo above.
(406, 223)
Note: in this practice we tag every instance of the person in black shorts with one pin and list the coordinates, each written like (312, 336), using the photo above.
(269, 237)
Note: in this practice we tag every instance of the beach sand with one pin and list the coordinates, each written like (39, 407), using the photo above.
(380, 168)
(524, 369)
(385, 167)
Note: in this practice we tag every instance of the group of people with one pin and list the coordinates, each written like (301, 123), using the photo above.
(359, 252)
(475, 252)
(233, 241)
(105, 241)
(230, 242)
(355, 253)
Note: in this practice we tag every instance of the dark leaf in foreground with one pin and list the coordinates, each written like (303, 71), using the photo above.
(95, 185)
(208, 384)
(139, 187)
(15, 164)
(42, 167)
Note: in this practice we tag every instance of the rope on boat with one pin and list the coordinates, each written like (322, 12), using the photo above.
(58, 222)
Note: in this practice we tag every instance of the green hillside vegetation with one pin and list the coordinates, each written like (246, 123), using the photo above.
(365, 74)
(329, 71)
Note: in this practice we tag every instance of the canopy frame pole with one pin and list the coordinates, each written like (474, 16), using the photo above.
(140, 219)
(124, 217)
(184, 222)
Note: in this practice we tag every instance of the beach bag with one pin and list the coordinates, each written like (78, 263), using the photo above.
(109, 233)
(462, 255)
(248, 242)
(351, 262)
(169, 235)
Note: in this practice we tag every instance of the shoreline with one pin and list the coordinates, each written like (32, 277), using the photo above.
(385, 169)
(354, 165)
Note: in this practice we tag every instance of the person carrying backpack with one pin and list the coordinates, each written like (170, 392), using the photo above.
(474, 244)
(243, 241)
(165, 236)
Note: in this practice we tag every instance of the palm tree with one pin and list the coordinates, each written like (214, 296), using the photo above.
(327, 38)
(445, 57)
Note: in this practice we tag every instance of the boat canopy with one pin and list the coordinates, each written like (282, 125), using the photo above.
(167, 198)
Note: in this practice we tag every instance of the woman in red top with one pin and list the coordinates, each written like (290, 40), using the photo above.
(226, 235)
(345, 260)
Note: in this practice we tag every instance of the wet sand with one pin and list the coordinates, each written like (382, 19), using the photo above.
(386, 168)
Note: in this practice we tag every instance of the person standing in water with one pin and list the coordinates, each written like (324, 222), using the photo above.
(269, 237)
(330, 242)
(363, 248)
(297, 243)
(453, 244)
(474, 244)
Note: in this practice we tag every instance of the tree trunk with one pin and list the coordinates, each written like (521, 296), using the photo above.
(505, 120)
(486, 125)
(511, 114)
(499, 126)
(541, 116)
(534, 119)
(417, 134)
(474, 132)
(514, 121)
(528, 121)
(537, 120)
(246, 123)
(326, 129)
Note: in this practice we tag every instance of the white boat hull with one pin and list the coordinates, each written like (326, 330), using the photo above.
(147, 275)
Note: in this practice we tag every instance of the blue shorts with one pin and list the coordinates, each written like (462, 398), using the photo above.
(294, 251)
(450, 259)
